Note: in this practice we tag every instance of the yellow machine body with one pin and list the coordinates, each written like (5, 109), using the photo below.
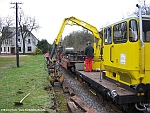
(126, 60)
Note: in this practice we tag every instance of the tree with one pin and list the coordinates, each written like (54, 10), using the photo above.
(27, 24)
(5, 32)
(1, 24)
(78, 39)
(44, 46)
(1, 33)
(145, 8)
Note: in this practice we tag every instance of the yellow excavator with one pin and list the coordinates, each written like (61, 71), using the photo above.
(97, 40)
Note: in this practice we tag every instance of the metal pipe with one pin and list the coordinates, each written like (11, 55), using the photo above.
(140, 22)
(142, 60)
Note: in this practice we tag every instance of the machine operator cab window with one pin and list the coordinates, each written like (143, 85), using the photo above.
(108, 35)
(133, 31)
(146, 30)
(120, 33)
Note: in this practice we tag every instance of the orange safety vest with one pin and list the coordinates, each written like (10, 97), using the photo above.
(47, 55)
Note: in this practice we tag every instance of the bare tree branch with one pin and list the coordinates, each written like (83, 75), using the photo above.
(145, 8)
(8, 21)
(1, 24)
(27, 25)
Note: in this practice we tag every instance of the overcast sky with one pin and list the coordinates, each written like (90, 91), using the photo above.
(50, 14)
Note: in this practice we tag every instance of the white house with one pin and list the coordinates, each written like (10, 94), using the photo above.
(9, 45)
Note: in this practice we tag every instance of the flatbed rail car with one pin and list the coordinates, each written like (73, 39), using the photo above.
(108, 88)
(69, 61)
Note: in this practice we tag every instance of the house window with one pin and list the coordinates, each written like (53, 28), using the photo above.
(6, 41)
(29, 41)
(4, 49)
(10, 41)
(8, 49)
(18, 40)
(18, 33)
(29, 48)
(1, 48)
(19, 49)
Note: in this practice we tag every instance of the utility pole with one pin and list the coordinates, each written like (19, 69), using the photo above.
(17, 49)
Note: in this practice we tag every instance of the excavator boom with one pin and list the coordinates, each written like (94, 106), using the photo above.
(74, 21)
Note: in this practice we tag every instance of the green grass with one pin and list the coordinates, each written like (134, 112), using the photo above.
(30, 77)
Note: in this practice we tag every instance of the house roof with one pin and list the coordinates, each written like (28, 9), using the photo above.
(13, 31)
(10, 30)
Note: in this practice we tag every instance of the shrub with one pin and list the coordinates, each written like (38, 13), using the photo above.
(37, 51)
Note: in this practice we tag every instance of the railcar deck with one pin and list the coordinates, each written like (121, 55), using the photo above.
(105, 86)
(95, 76)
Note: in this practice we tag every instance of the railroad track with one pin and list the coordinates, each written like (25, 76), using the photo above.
(75, 96)
(64, 96)
(79, 90)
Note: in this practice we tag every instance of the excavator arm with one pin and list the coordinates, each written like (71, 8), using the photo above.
(74, 21)
(57, 40)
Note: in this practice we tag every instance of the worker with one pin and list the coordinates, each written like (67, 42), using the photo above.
(47, 56)
(89, 52)
(133, 35)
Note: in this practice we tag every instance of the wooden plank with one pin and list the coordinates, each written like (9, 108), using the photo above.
(84, 106)
(71, 91)
(65, 89)
(68, 89)
(72, 107)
